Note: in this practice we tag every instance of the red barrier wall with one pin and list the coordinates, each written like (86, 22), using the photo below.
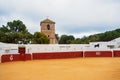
(57, 55)
(27, 56)
(98, 54)
(54, 55)
(116, 53)
(15, 57)
(10, 57)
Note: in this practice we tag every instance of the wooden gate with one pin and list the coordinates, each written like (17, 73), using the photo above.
(22, 51)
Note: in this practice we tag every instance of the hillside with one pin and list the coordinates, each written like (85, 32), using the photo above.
(106, 36)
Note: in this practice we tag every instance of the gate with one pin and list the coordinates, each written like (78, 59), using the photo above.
(21, 50)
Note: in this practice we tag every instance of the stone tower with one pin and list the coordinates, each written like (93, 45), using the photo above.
(48, 28)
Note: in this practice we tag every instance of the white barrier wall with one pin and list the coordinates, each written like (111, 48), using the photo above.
(34, 48)
(31, 48)
(52, 48)
(9, 48)
(105, 45)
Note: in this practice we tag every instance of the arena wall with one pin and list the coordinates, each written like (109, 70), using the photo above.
(97, 53)
(116, 53)
(57, 55)
(33, 52)
(15, 57)
(0, 58)
(10, 57)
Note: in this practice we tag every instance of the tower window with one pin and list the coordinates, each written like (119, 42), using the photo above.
(48, 35)
(48, 27)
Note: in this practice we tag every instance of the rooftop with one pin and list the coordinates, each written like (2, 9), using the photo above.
(47, 21)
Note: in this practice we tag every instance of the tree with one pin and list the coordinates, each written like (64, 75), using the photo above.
(57, 37)
(66, 39)
(4, 29)
(17, 26)
(15, 32)
(106, 36)
(40, 38)
(76, 41)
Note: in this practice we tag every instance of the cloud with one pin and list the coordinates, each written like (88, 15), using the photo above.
(71, 16)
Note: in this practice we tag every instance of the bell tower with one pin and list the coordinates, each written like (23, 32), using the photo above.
(48, 28)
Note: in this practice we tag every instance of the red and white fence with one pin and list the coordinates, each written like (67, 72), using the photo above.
(33, 52)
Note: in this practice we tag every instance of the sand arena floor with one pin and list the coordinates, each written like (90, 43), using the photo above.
(62, 69)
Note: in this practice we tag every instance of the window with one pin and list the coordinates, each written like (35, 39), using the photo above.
(48, 27)
(48, 35)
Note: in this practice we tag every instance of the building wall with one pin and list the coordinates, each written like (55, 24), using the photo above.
(49, 33)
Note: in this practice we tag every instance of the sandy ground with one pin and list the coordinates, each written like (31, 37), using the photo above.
(62, 69)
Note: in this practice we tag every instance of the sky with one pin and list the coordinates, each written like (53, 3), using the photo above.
(73, 17)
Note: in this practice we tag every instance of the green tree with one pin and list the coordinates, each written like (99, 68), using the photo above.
(64, 39)
(40, 38)
(76, 41)
(15, 32)
(17, 26)
(106, 36)
(57, 37)
(4, 29)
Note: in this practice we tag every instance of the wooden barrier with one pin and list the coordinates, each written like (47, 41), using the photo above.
(97, 53)
(15, 57)
(54, 55)
(28, 56)
(116, 53)
(0, 58)
(57, 55)
(21, 49)
(10, 57)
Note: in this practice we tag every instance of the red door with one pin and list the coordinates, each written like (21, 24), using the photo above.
(21, 50)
